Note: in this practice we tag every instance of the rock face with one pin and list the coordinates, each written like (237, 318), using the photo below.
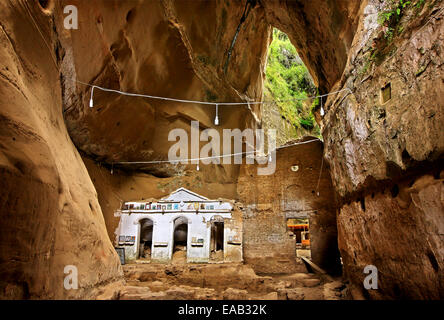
(178, 56)
(183, 57)
(384, 141)
(50, 214)
(400, 234)
(383, 138)
(321, 31)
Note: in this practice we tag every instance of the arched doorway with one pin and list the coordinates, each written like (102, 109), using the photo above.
(180, 240)
(217, 239)
(146, 238)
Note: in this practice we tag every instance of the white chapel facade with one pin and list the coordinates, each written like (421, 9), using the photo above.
(201, 225)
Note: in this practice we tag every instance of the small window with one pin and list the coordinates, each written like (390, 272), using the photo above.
(386, 93)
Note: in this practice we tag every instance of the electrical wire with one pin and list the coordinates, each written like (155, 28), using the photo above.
(202, 102)
(212, 157)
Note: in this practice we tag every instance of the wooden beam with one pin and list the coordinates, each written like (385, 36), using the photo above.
(311, 266)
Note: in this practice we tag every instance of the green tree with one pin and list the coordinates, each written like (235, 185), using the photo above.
(289, 83)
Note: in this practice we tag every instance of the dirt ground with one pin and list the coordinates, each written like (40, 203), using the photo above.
(229, 281)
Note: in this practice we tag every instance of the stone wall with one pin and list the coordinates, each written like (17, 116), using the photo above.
(233, 236)
(269, 200)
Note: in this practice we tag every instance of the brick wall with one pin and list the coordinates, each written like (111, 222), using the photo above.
(269, 200)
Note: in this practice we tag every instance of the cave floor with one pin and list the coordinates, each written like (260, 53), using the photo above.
(231, 281)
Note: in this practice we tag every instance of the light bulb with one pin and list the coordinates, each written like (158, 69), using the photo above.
(197, 168)
(322, 112)
(91, 103)
(216, 119)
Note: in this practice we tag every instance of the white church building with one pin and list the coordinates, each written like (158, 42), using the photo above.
(197, 223)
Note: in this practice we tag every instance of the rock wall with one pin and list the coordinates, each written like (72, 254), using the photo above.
(178, 56)
(269, 200)
(183, 57)
(383, 147)
(50, 214)
(384, 142)
(188, 58)
(322, 32)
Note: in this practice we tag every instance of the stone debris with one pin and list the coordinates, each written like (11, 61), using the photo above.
(220, 281)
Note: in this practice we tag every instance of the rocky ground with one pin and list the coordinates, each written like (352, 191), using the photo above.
(229, 281)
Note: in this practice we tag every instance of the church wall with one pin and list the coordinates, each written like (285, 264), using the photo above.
(199, 227)
(233, 239)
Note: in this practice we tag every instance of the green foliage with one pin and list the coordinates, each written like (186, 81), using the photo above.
(288, 79)
(393, 14)
(391, 17)
(420, 4)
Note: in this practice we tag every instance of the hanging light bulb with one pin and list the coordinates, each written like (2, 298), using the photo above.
(216, 119)
(197, 168)
(322, 109)
(91, 103)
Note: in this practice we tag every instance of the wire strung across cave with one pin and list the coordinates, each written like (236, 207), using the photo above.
(203, 103)
(215, 157)
(175, 161)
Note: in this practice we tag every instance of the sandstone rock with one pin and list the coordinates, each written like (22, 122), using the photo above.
(51, 217)
(379, 146)
(158, 286)
(334, 290)
(310, 282)
(269, 296)
(180, 293)
(376, 144)
(290, 294)
(234, 294)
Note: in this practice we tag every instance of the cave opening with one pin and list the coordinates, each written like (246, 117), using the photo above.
(287, 88)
